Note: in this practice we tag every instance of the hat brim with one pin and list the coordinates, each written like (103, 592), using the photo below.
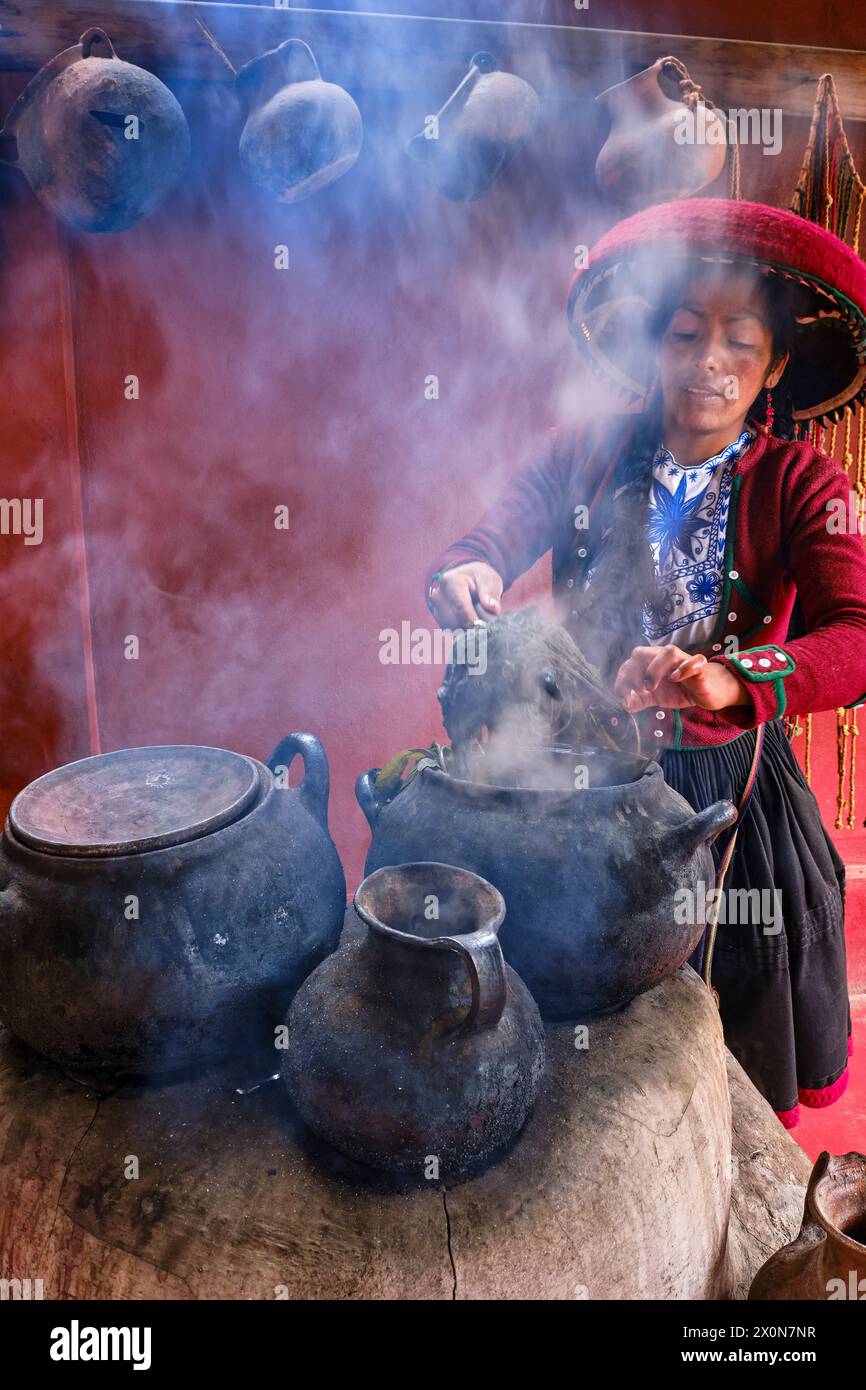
(612, 301)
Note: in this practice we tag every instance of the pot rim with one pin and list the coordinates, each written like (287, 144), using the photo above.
(488, 892)
(824, 1175)
(239, 809)
(650, 771)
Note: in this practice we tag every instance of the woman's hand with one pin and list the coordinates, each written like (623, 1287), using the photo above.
(465, 593)
(669, 677)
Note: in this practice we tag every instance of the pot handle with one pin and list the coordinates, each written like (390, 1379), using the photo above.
(92, 36)
(482, 956)
(314, 789)
(700, 829)
(365, 795)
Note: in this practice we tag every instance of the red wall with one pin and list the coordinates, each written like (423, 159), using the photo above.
(261, 387)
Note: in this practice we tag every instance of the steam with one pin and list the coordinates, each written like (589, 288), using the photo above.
(306, 388)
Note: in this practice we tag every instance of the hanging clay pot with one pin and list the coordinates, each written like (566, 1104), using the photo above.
(642, 161)
(99, 140)
(478, 130)
(828, 1258)
(301, 133)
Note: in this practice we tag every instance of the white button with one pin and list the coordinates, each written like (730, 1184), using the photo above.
(769, 618)
(733, 574)
(732, 617)
(569, 583)
(763, 661)
(660, 714)
(658, 733)
(574, 612)
(717, 646)
(582, 553)
(780, 656)
(746, 661)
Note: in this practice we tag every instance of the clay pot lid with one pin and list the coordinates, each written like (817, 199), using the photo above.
(134, 800)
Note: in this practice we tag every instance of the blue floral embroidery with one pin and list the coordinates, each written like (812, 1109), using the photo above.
(661, 607)
(672, 522)
(704, 588)
(686, 529)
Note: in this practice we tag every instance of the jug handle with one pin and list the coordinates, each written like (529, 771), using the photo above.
(92, 36)
(314, 789)
(299, 61)
(479, 64)
(366, 796)
(482, 956)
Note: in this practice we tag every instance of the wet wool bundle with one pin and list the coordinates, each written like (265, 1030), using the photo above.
(517, 717)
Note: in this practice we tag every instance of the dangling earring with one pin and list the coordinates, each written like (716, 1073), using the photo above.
(769, 414)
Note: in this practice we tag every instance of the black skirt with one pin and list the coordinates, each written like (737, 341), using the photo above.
(779, 960)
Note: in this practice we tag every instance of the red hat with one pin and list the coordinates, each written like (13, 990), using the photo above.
(611, 300)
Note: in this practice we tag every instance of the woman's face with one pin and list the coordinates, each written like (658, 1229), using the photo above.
(717, 352)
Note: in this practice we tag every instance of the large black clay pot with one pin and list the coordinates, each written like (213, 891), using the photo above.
(414, 1048)
(590, 878)
(160, 906)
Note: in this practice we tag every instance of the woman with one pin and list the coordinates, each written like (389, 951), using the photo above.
(695, 561)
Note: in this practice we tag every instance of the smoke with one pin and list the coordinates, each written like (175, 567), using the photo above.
(308, 389)
(374, 394)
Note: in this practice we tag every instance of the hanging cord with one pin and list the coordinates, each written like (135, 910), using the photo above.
(724, 863)
(841, 742)
(691, 95)
(734, 186)
(846, 733)
(831, 193)
(215, 46)
(853, 731)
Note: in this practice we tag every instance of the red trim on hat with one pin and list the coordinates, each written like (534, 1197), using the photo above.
(742, 229)
(750, 234)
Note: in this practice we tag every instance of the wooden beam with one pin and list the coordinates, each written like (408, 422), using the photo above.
(400, 53)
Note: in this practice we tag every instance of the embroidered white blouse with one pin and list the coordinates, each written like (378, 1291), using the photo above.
(688, 517)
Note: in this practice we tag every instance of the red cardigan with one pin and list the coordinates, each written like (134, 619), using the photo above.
(783, 541)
